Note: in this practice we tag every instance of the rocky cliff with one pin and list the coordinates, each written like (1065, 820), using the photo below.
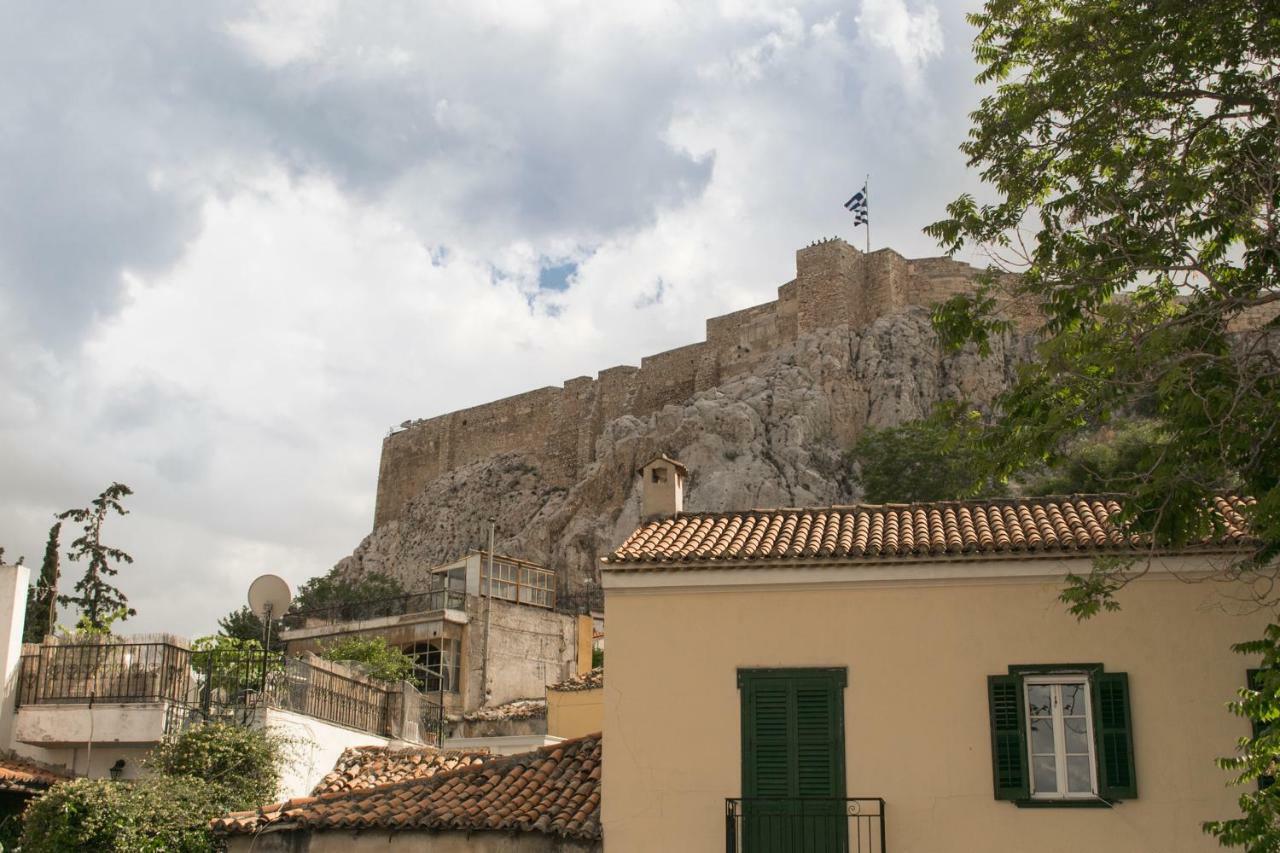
(774, 437)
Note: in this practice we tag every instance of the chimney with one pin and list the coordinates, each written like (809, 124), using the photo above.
(662, 487)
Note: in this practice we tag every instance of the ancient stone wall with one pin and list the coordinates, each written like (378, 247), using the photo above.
(835, 285)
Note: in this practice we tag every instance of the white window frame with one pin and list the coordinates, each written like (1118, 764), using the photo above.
(1059, 736)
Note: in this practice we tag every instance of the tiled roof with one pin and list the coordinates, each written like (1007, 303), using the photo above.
(516, 709)
(590, 680)
(872, 532)
(27, 777)
(361, 767)
(553, 790)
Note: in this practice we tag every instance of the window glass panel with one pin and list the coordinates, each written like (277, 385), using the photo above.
(1042, 737)
(1076, 730)
(1039, 700)
(1078, 781)
(1044, 770)
(1072, 699)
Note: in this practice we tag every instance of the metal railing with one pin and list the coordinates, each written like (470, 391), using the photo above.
(804, 825)
(104, 672)
(581, 602)
(226, 685)
(355, 611)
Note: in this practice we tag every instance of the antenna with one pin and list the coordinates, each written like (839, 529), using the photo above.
(268, 595)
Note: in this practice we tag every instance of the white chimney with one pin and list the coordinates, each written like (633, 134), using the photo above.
(662, 489)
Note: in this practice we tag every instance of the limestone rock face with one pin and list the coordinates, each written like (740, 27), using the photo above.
(774, 437)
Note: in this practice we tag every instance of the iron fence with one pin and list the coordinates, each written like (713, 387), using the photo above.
(354, 611)
(103, 672)
(804, 825)
(581, 602)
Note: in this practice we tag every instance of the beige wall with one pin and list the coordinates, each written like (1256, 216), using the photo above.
(574, 713)
(916, 718)
(394, 842)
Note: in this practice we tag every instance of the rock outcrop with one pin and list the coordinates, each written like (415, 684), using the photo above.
(774, 437)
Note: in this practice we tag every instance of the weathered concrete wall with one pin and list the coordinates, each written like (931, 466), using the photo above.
(313, 748)
(835, 285)
(529, 648)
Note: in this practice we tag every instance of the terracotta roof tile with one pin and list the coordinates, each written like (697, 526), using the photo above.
(554, 790)
(516, 709)
(28, 777)
(1046, 526)
(361, 767)
(590, 680)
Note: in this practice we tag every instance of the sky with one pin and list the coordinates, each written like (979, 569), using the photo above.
(240, 241)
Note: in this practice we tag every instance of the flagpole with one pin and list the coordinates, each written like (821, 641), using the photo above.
(866, 191)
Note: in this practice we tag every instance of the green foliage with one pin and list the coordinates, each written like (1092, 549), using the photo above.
(244, 624)
(333, 589)
(1258, 829)
(243, 761)
(1109, 460)
(597, 658)
(99, 601)
(379, 659)
(926, 460)
(1132, 151)
(42, 596)
(162, 813)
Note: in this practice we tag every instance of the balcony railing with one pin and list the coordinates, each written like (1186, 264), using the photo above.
(227, 685)
(804, 825)
(355, 611)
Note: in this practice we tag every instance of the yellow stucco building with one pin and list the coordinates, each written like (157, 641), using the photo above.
(906, 679)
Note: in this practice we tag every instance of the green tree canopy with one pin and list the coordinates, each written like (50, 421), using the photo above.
(379, 659)
(99, 601)
(333, 589)
(1132, 155)
(42, 596)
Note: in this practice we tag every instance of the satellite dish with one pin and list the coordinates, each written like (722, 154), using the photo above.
(269, 596)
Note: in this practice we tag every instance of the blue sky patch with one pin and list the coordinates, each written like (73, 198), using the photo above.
(557, 277)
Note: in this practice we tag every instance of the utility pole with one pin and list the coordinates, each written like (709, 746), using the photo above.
(488, 606)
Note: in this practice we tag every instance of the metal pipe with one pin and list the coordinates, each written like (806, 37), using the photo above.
(488, 607)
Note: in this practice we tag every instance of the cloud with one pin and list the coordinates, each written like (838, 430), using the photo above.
(238, 241)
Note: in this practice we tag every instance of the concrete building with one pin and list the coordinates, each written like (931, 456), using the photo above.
(480, 641)
(96, 707)
(914, 666)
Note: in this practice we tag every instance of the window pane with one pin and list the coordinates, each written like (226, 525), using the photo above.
(1077, 732)
(1046, 774)
(1072, 699)
(1039, 702)
(1078, 774)
(1042, 737)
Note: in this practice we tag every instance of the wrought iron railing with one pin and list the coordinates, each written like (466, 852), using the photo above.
(355, 611)
(227, 685)
(804, 825)
(582, 601)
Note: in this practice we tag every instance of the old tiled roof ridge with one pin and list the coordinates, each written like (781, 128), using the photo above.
(360, 767)
(28, 776)
(592, 679)
(533, 708)
(553, 790)
(866, 532)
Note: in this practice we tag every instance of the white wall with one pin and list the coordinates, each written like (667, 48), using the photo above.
(314, 748)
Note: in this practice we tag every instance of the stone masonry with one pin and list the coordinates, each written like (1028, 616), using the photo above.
(836, 285)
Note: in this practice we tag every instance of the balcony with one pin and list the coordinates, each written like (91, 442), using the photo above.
(804, 825)
(140, 691)
(379, 608)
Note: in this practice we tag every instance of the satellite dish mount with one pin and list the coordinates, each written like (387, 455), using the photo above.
(269, 596)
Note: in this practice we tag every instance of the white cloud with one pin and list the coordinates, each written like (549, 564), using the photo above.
(238, 243)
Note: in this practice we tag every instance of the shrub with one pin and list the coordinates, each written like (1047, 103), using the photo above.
(381, 660)
(244, 761)
(162, 813)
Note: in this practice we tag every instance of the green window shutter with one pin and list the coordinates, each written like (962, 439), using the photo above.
(819, 727)
(767, 758)
(1113, 731)
(1008, 737)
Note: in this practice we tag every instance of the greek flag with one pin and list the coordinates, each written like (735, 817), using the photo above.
(858, 207)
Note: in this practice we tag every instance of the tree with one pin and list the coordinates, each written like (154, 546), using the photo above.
(380, 660)
(333, 589)
(244, 624)
(42, 597)
(924, 460)
(99, 601)
(1133, 152)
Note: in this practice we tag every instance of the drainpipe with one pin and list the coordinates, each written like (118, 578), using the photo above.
(488, 606)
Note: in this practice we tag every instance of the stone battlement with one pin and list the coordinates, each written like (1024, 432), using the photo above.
(835, 285)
